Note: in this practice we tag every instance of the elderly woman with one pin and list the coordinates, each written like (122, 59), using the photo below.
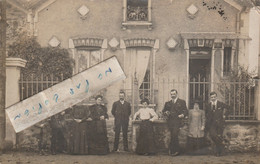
(97, 131)
(145, 140)
(196, 129)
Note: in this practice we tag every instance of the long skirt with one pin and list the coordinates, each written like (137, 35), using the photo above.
(196, 146)
(145, 140)
(97, 137)
(58, 143)
(78, 140)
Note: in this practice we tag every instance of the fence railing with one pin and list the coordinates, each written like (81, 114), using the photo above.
(32, 84)
(241, 99)
(237, 95)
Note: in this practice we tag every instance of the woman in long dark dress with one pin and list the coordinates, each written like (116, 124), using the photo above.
(78, 140)
(145, 140)
(97, 131)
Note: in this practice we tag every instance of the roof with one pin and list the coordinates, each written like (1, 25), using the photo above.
(246, 3)
(34, 4)
(27, 4)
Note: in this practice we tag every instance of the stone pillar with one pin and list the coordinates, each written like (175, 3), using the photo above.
(13, 67)
(212, 87)
(257, 102)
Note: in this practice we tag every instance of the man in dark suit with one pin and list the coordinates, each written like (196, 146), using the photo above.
(176, 110)
(121, 110)
(216, 113)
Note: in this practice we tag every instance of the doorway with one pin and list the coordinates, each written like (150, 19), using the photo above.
(199, 76)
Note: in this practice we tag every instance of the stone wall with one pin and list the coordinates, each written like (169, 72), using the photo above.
(239, 136)
(243, 136)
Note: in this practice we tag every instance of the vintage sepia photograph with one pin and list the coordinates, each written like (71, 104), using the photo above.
(129, 81)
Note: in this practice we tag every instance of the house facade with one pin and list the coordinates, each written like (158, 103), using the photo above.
(191, 46)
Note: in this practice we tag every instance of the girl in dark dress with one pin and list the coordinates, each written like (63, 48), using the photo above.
(97, 131)
(145, 140)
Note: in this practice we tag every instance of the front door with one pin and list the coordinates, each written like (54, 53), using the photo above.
(199, 76)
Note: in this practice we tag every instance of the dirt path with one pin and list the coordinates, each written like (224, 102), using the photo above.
(125, 158)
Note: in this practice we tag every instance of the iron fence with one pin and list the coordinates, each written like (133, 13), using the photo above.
(238, 95)
(31, 84)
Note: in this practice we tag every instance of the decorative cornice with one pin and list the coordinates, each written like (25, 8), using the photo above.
(15, 62)
(139, 42)
(213, 35)
(88, 42)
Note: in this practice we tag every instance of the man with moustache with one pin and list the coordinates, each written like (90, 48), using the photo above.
(121, 110)
(175, 110)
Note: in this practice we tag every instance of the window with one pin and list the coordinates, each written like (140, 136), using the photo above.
(87, 52)
(87, 58)
(137, 12)
(227, 60)
(139, 65)
(145, 88)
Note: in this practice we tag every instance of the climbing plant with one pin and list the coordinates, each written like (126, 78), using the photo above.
(238, 92)
(41, 60)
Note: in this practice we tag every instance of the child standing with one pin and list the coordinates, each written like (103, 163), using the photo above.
(196, 129)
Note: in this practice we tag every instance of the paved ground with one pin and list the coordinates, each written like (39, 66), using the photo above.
(125, 158)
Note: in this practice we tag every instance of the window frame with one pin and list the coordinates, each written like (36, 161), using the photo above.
(227, 69)
(88, 52)
(126, 24)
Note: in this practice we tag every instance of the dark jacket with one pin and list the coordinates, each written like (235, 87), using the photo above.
(96, 111)
(216, 117)
(175, 110)
(57, 121)
(121, 111)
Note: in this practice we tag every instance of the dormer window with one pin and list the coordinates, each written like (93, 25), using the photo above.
(137, 13)
(137, 10)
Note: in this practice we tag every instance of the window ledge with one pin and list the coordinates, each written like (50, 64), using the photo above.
(137, 23)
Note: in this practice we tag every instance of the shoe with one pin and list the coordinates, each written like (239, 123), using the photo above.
(175, 154)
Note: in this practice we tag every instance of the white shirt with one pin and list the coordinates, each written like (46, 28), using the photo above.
(214, 102)
(122, 102)
(146, 114)
(174, 100)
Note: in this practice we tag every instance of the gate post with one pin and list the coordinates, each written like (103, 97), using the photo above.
(13, 67)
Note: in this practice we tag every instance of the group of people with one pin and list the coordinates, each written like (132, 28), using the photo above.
(202, 123)
(88, 133)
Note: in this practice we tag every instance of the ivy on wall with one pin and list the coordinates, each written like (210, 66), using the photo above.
(41, 60)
